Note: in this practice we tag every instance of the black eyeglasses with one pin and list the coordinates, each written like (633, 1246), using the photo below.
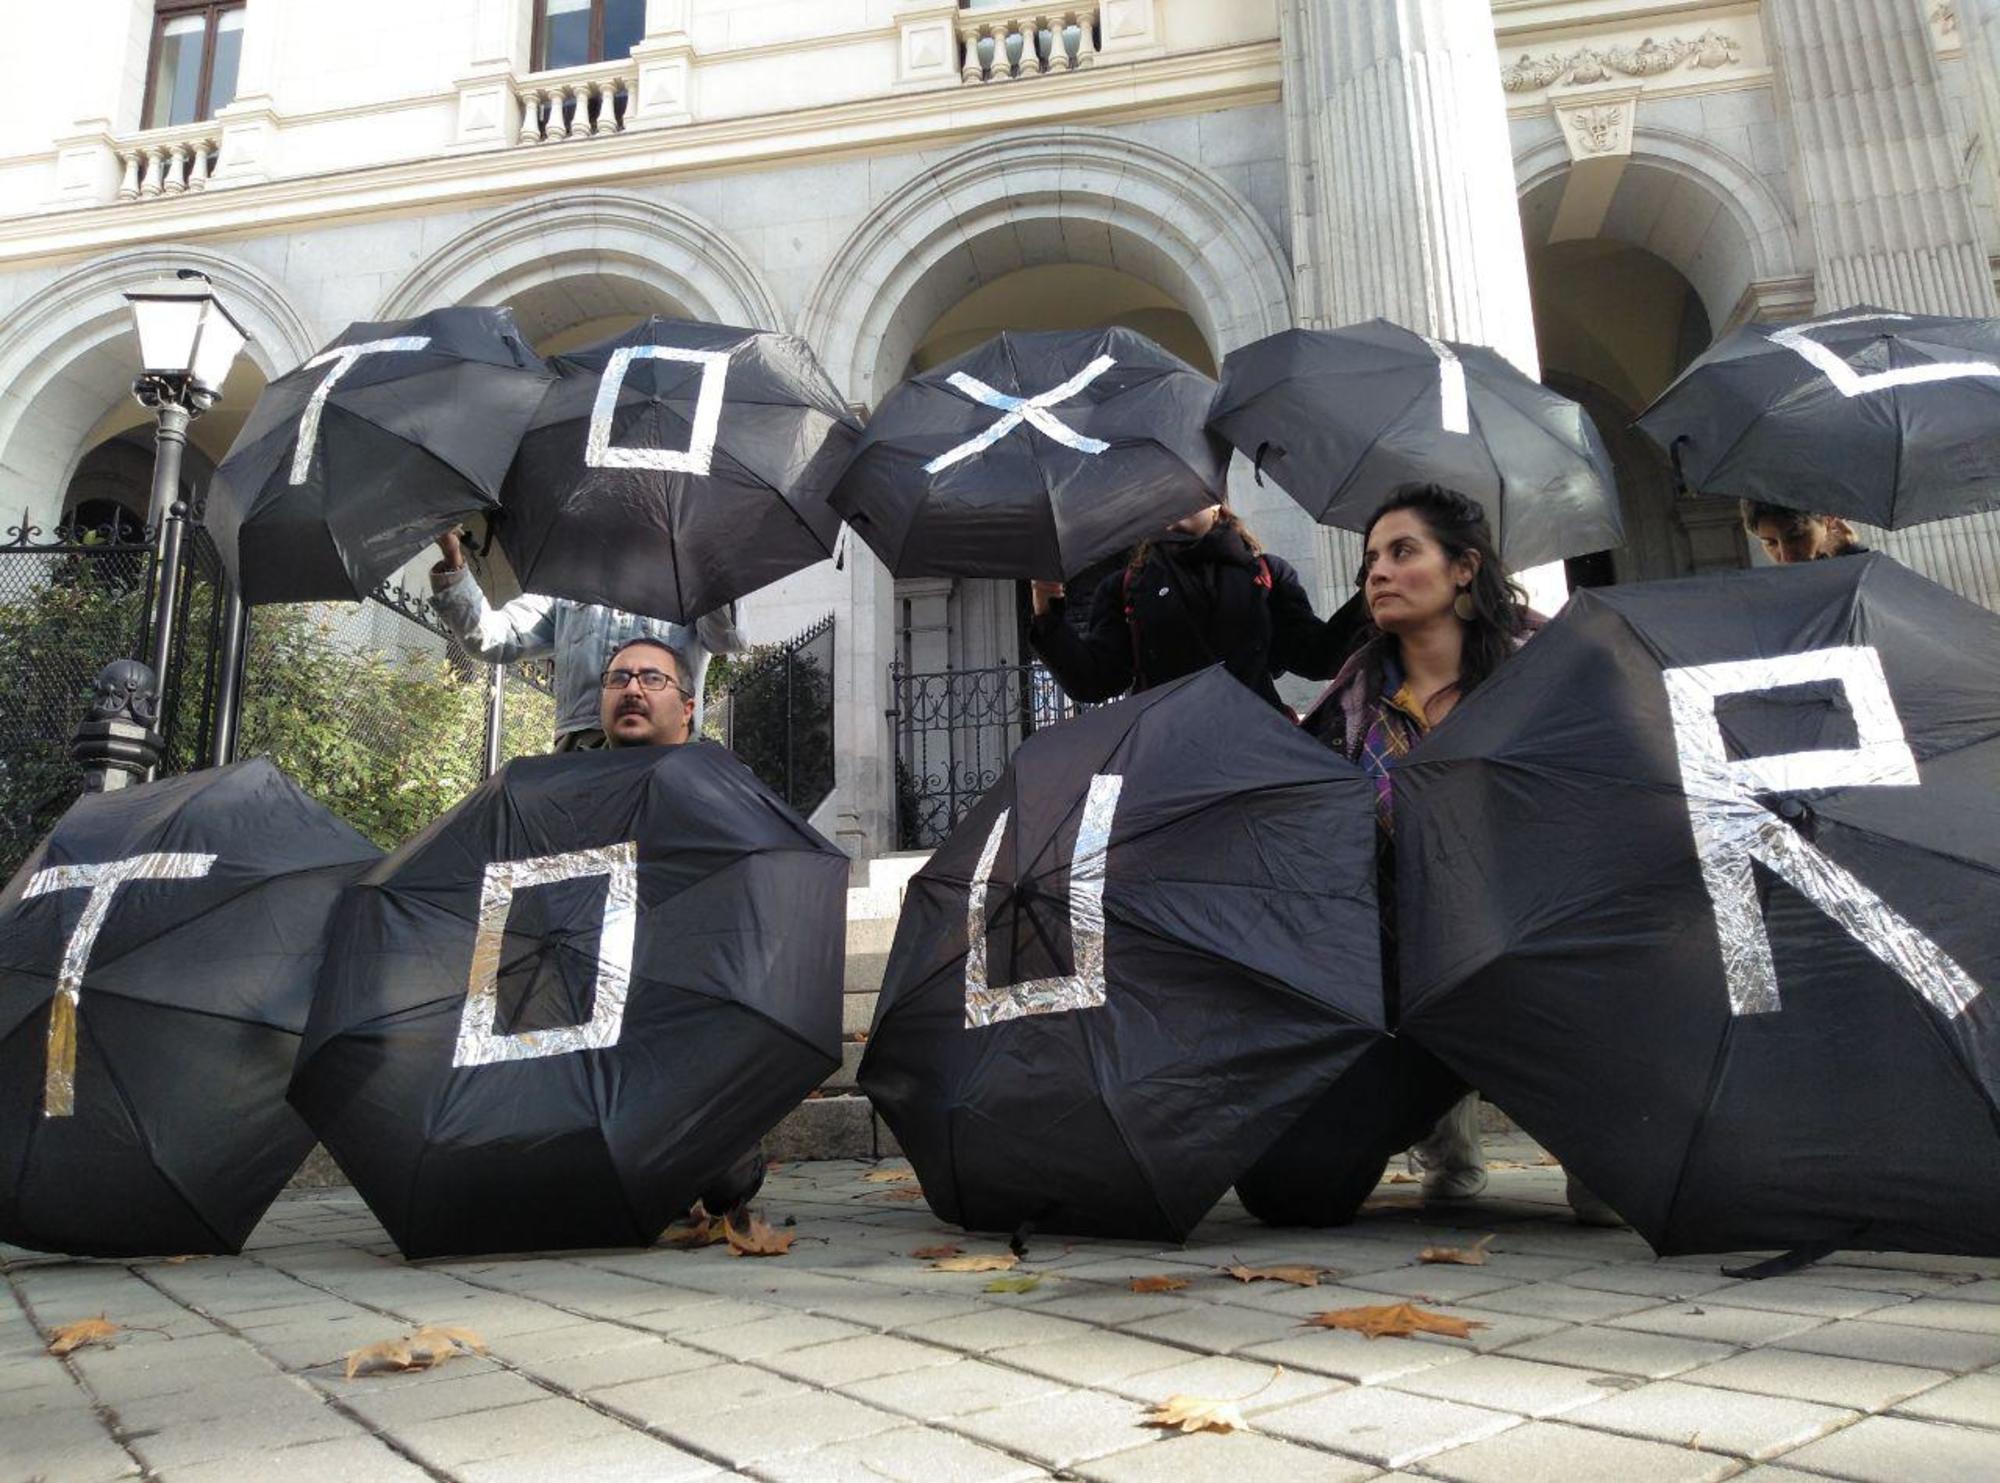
(653, 681)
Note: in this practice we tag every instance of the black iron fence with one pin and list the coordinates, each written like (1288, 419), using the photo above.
(774, 708)
(954, 731)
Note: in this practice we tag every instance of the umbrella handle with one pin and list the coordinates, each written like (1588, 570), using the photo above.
(1257, 463)
(1681, 487)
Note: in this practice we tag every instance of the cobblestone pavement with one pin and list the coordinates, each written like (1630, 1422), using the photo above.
(849, 1359)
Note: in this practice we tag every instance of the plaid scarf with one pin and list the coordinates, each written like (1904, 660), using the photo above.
(1396, 723)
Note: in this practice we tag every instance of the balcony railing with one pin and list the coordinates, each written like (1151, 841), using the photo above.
(1013, 42)
(168, 162)
(577, 102)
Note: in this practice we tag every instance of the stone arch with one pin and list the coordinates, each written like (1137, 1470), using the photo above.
(66, 360)
(659, 247)
(1757, 237)
(1032, 197)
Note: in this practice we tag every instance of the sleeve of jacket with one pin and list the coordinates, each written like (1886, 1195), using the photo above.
(1096, 664)
(1301, 643)
(524, 629)
(723, 630)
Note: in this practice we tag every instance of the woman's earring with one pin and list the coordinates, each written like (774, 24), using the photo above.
(1463, 607)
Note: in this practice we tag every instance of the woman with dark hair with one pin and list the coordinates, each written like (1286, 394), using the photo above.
(1442, 617)
(1201, 592)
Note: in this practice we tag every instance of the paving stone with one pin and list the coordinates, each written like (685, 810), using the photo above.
(1734, 1326)
(1898, 1344)
(719, 1388)
(1752, 1426)
(537, 1426)
(911, 1455)
(1944, 1313)
(609, 1367)
(360, 1459)
(1508, 1384)
(251, 1427)
(1648, 1279)
(1349, 1356)
(1437, 1283)
(570, 1343)
(1540, 1451)
(1257, 1387)
(864, 1358)
(1801, 1295)
(1205, 1457)
(800, 1423)
(1220, 1328)
(1558, 1300)
(1387, 1427)
(1621, 1352)
(1062, 1430)
(1889, 1449)
(772, 1335)
(1800, 1376)
(1091, 1359)
(388, 1405)
(994, 1328)
(940, 1391)
(630, 1458)
(1972, 1401)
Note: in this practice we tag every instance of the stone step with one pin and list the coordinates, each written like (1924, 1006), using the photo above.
(831, 1127)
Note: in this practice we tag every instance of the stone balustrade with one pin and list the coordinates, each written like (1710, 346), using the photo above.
(1009, 43)
(577, 102)
(167, 162)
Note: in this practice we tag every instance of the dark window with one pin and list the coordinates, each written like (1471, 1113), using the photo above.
(574, 33)
(191, 72)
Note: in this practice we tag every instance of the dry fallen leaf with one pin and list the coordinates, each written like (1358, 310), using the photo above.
(933, 1253)
(1199, 1413)
(84, 1331)
(903, 1192)
(1027, 1283)
(1395, 1321)
(1158, 1284)
(1465, 1256)
(1004, 1261)
(889, 1176)
(175, 1261)
(1399, 1177)
(688, 1235)
(1297, 1276)
(758, 1240)
(430, 1345)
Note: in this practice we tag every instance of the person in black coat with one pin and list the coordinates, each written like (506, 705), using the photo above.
(1201, 593)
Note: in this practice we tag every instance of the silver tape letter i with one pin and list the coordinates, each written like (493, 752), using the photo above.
(1732, 828)
(342, 360)
(479, 1043)
(1083, 988)
(102, 881)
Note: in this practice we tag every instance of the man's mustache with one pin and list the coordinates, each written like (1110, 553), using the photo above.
(632, 704)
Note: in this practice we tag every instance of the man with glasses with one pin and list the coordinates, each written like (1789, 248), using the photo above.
(578, 634)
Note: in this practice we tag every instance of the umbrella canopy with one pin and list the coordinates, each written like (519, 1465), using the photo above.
(1137, 960)
(1702, 888)
(157, 958)
(1033, 456)
(1867, 414)
(1342, 418)
(353, 463)
(676, 467)
(556, 1013)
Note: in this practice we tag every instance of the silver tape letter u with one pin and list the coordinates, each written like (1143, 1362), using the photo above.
(1732, 827)
(987, 1003)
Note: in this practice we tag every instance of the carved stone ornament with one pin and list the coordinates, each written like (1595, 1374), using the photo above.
(1708, 52)
(1597, 130)
(124, 692)
(1944, 16)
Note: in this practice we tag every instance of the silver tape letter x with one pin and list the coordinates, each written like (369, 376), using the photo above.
(987, 1003)
(342, 360)
(1732, 828)
(479, 1044)
(1851, 383)
(700, 451)
(1031, 410)
(102, 881)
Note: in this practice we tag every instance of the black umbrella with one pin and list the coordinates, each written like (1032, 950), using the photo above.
(1033, 456)
(1341, 418)
(1702, 888)
(353, 463)
(1881, 417)
(675, 467)
(558, 1012)
(157, 957)
(1135, 962)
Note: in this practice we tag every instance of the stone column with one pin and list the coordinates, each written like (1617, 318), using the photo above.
(1979, 30)
(1403, 184)
(1892, 221)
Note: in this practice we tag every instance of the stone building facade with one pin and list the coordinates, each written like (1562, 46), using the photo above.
(1598, 188)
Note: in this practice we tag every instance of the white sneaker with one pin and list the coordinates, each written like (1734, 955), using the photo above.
(1454, 1184)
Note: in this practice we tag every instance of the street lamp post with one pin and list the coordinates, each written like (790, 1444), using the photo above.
(187, 343)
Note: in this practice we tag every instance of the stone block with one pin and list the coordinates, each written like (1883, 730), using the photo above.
(650, 1359)
(1542, 1450)
(1506, 1384)
(857, 1012)
(771, 1336)
(803, 1423)
(1733, 1326)
(630, 1458)
(1389, 1428)
(1832, 1381)
(845, 1361)
(719, 1388)
(1888, 1449)
(1621, 1352)
(357, 1459)
(1209, 1457)
(1682, 1415)
(839, 1127)
(1092, 1359)
(319, 1171)
(939, 1392)
(454, 1441)
(910, 1455)
(1062, 1430)
(1973, 1401)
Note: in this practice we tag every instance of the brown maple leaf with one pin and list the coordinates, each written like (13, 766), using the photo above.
(1200, 1413)
(688, 1235)
(1297, 1276)
(1395, 1321)
(72, 1336)
(758, 1239)
(933, 1253)
(1399, 1177)
(421, 1349)
(978, 1261)
(1157, 1284)
(903, 1192)
(889, 1176)
(1465, 1256)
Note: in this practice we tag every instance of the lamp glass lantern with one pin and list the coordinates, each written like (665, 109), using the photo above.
(186, 336)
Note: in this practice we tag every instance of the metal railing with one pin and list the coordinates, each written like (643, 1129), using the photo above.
(774, 709)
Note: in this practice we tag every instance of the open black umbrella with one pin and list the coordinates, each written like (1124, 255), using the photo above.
(353, 463)
(1871, 415)
(1134, 963)
(1033, 456)
(676, 467)
(1702, 888)
(1341, 418)
(157, 957)
(558, 1012)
